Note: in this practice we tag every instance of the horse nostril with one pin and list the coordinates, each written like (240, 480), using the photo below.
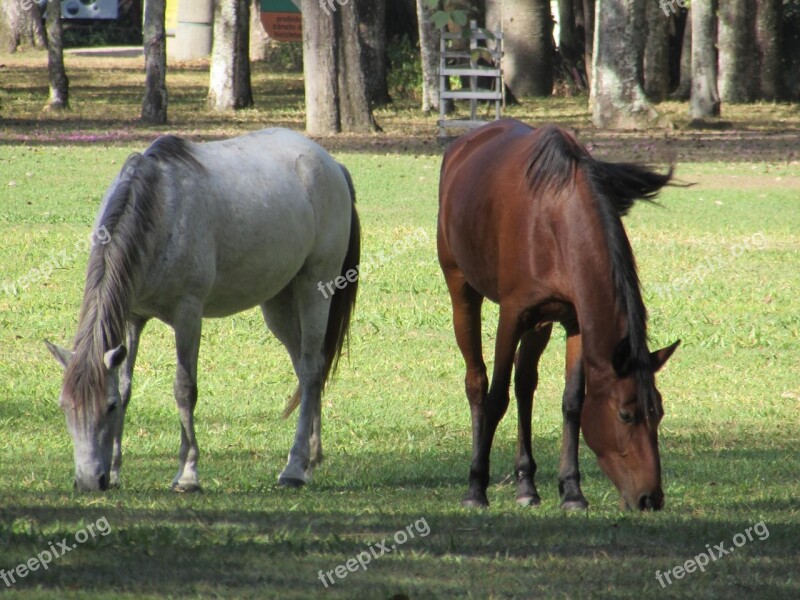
(646, 502)
(103, 482)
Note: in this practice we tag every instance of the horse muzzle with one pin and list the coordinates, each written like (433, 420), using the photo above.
(91, 481)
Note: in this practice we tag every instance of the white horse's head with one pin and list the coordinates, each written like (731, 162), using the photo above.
(90, 400)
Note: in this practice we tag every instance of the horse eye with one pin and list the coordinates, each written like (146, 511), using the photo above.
(626, 417)
(112, 407)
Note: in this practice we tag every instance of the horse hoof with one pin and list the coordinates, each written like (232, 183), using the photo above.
(291, 482)
(579, 504)
(529, 501)
(186, 488)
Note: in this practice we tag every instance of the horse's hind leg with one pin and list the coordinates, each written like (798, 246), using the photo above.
(526, 376)
(569, 477)
(134, 331)
(298, 317)
(496, 401)
(187, 341)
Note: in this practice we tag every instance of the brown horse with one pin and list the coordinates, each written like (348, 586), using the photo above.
(528, 219)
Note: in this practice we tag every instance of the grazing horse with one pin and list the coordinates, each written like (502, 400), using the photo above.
(209, 230)
(531, 221)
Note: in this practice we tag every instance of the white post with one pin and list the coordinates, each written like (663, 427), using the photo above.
(194, 33)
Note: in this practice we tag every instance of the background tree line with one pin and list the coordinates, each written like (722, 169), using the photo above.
(628, 55)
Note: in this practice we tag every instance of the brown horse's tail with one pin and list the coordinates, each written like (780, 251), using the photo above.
(342, 302)
(624, 183)
(556, 155)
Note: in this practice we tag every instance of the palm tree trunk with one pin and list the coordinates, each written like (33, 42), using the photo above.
(429, 49)
(704, 101)
(685, 84)
(769, 40)
(656, 53)
(154, 105)
(335, 87)
(528, 45)
(736, 46)
(59, 84)
(617, 98)
(229, 87)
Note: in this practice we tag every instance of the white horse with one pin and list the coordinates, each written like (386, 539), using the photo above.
(209, 230)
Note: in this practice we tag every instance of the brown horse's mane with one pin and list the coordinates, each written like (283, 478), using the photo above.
(555, 158)
(132, 210)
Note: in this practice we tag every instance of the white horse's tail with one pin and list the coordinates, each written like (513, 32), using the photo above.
(342, 303)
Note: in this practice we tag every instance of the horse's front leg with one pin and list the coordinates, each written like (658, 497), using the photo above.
(187, 341)
(134, 331)
(526, 376)
(569, 476)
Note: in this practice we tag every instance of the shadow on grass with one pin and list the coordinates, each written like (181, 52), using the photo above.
(189, 553)
(260, 540)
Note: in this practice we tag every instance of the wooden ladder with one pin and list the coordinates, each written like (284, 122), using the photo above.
(455, 61)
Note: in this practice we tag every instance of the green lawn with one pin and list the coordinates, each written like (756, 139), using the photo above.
(396, 425)
(719, 262)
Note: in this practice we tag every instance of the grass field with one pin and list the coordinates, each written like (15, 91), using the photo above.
(720, 266)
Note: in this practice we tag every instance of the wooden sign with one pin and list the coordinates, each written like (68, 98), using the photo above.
(282, 20)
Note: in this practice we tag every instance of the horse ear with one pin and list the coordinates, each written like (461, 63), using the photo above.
(62, 355)
(659, 357)
(621, 360)
(113, 358)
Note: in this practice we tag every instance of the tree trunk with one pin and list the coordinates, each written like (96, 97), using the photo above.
(154, 105)
(656, 53)
(21, 25)
(736, 50)
(372, 29)
(567, 32)
(580, 27)
(570, 45)
(243, 89)
(684, 89)
(336, 96)
(229, 87)
(258, 37)
(429, 49)
(618, 99)
(355, 113)
(588, 28)
(59, 84)
(704, 101)
(769, 40)
(320, 52)
(528, 46)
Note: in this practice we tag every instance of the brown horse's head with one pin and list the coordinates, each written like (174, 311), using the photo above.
(620, 424)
